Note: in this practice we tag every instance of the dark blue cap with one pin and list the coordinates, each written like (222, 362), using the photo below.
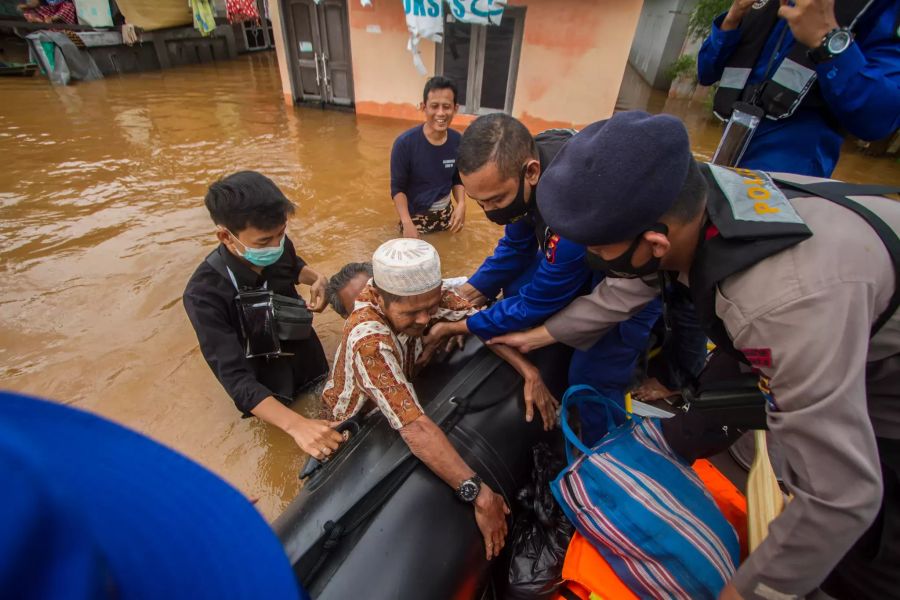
(615, 178)
(94, 510)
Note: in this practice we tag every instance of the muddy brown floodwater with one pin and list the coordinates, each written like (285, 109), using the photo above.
(102, 223)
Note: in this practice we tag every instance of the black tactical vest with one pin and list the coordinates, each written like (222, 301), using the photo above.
(751, 219)
(548, 143)
(794, 81)
(747, 223)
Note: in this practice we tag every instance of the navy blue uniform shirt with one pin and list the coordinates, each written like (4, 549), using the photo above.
(424, 172)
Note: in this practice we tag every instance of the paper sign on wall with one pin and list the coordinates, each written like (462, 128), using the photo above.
(425, 20)
(478, 12)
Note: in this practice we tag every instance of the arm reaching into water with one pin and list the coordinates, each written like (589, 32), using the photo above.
(458, 220)
(315, 437)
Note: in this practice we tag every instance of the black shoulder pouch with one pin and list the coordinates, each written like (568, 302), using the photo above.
(268, 318)
(293, 318)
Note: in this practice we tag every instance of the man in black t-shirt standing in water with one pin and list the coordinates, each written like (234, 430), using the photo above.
(424, 184)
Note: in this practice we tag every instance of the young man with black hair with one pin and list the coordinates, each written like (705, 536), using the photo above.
(255, 253)
(424, 186)
(538, 272)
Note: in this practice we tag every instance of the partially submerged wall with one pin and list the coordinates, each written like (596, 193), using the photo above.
(658, 41)
(573, 57)
(385, 81)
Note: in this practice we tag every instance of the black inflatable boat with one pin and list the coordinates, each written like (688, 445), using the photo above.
(374, 522)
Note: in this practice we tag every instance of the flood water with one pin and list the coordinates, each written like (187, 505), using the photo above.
(102, 223)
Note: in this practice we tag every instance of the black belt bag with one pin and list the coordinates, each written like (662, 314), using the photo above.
(267, 319)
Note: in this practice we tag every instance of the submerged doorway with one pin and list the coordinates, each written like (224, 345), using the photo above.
(318, 47)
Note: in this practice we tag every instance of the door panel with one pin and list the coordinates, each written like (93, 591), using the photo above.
(337, 51)
(319, 48)
(304, 45)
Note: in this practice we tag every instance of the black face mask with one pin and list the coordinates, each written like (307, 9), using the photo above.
(515, 210)
(621, 266)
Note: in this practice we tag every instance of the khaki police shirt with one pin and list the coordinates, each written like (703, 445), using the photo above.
(810, 309)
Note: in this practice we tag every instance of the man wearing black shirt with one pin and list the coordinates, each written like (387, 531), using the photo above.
(254, 253)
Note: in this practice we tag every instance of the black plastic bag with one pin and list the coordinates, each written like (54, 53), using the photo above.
(540, 535)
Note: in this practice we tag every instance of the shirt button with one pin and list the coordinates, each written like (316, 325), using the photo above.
(832, 74)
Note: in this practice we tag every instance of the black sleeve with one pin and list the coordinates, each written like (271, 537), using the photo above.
(399, 167)
(221, 347)
(457, 180)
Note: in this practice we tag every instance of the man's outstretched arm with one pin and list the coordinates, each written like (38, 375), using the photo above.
(536, 393)
(431, 446)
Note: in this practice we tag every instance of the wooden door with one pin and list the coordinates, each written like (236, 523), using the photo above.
(335, 54)
(319, 51)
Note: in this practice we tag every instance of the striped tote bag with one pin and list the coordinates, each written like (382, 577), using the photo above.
(644, 509)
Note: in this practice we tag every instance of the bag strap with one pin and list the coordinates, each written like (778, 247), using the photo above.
(216, 261)
(837, 192)
(575, 395)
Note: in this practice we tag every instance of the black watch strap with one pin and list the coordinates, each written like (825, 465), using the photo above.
(822, 52)
(469, 489)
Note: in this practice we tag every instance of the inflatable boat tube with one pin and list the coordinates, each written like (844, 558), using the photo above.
(374, 522)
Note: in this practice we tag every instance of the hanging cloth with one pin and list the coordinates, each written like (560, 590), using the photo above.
(204, 16)
(242, 10)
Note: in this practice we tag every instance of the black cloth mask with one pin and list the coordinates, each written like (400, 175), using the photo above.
(621, 266)
(516, 209)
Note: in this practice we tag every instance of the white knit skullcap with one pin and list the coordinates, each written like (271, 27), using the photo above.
(406, 267)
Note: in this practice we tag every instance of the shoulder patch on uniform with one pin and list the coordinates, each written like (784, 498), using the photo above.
(753, 196)
(551, 243)
(758, 357)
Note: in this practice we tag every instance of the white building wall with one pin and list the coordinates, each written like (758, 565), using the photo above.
(660, 36)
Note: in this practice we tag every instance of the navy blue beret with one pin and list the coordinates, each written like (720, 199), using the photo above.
(615, 178)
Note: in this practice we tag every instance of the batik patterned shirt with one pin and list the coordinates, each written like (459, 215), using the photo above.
(373, 365)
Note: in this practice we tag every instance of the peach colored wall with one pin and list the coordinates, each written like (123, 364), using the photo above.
(574, 54)
(284, 68)
(573, 58)
(385, 81)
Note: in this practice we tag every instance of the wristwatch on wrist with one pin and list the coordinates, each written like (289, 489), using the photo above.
(835, 42)
(468, 489)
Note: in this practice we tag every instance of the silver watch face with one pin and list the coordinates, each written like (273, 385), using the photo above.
(839, 42)
(468, 490)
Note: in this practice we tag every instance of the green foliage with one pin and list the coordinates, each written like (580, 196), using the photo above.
(701, 20)
(686, 64)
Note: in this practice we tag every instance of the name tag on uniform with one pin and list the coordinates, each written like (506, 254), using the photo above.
(753, 196)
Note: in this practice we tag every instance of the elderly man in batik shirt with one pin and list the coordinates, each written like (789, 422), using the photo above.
(381, 348)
